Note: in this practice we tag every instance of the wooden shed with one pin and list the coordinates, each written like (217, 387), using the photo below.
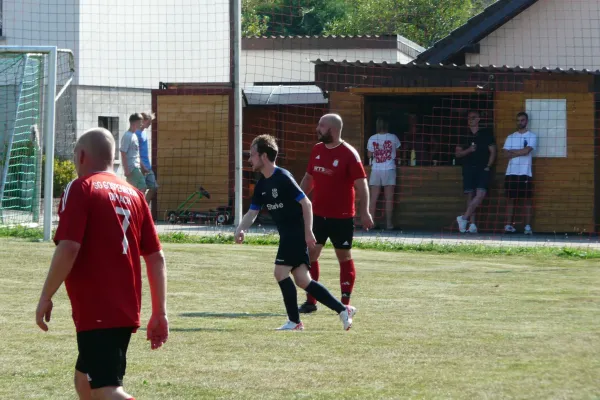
(429, 196)
(192, 138)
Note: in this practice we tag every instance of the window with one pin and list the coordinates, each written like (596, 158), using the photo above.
(112, 124)
(548, 120)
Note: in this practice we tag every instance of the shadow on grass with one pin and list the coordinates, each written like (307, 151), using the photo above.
(195, 329)
(229, 315)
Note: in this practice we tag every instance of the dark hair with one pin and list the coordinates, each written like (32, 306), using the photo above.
(382, 125)
(523, 114)
(135, 117)
(474, 112)
(266, 144)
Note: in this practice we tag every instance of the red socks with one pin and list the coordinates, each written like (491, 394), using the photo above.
(347, 278)
(314, 273)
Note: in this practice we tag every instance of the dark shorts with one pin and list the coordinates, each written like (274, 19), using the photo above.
(103, 355)
(292, 252)
(475, 178)
(518, 187)
(339, 230)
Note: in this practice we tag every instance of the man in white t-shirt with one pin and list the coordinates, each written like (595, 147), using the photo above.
(382, 148)
(518, 183)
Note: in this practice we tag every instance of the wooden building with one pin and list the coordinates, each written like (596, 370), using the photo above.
(429, 197)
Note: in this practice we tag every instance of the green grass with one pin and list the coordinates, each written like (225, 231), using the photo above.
(379, 245)
(429, 326)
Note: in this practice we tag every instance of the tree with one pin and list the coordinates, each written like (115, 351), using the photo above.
(289, 17)
(418, 20)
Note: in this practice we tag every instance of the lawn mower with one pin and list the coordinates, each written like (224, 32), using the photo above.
(183, 214)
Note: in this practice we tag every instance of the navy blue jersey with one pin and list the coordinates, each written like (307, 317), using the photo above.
(281, 195)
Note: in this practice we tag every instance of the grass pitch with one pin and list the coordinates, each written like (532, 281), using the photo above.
(429, 326)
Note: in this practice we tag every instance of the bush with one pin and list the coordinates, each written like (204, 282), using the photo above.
(64, 172)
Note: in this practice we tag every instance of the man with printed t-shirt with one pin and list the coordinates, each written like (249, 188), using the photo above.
(382, 148)
(104, 227)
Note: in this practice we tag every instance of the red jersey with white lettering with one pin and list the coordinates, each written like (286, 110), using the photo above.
(334, 172)
(112, 222)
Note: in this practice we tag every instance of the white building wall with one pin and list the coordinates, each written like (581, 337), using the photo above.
(550, 33)
(138, 44)
(297, 65)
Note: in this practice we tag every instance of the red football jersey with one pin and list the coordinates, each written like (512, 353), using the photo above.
(112, 222)
(334, 172)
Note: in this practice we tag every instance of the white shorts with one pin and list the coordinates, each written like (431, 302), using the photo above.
(383, 177)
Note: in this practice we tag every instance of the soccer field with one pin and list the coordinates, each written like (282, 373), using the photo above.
(428, 326)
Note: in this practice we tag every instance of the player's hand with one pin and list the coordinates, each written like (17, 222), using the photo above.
(239, 237)
(157, 331)
(367, 220)
(473, 148)
(311, 241)
(43, 311)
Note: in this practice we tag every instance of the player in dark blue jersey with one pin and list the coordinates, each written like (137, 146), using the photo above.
(292, 212)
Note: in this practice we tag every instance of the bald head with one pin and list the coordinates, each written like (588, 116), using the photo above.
(334, 121)
(94, 151)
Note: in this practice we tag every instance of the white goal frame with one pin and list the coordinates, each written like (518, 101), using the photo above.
(49, 124)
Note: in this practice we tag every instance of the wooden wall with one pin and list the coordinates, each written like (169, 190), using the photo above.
(192, 150)
(351, 108)
(563, 187)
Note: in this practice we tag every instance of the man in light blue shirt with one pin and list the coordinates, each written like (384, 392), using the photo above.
(145, 156)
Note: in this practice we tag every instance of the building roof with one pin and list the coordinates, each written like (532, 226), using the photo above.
(332, 42)
(450, 67)
(474, 30)
(283, 95)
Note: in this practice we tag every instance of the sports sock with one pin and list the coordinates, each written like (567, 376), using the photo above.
(290, 299)
(314, 273)
(324, 297)
(347, 278)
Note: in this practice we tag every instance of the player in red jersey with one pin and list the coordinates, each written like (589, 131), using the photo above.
(334, 173)
(105, 226)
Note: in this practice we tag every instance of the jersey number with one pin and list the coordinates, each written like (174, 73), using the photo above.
(126, 214)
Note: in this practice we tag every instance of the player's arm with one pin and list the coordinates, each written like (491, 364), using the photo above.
(60, 267)
(307, 215)
(307, 183)
(246, 223)
(158, 325)
(362, 190)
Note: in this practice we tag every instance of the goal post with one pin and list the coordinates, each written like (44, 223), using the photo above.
(31, 110)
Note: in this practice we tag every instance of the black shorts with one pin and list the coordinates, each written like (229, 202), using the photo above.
(103, 355)
(475, 178)
(518, 187)
(339, 230)
(292, 251)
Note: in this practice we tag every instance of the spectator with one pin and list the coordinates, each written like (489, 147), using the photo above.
(382, 150)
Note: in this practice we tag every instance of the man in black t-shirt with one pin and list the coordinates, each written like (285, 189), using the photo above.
(291, 211)
(477, 152)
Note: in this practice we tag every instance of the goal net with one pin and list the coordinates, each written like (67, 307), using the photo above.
(24, 80)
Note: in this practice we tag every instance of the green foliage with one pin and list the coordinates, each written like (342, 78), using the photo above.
(289, 17)
(422, 21)
(64, 172)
